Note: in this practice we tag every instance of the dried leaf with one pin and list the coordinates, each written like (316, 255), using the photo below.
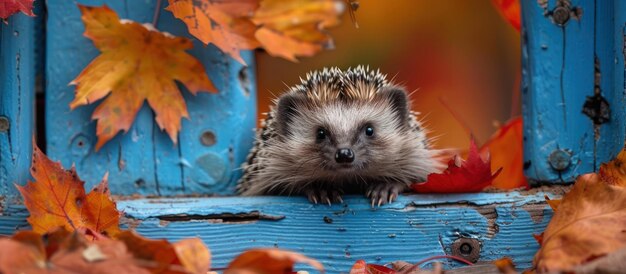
(588, 224)
(285, 28)
(361, 267)
(225, 24)
(614, 172)
(461, 176)
(10, 7)
(25, 253)
(193, 255)
(296, 27)
(137, 64)
(505, 265)
(552, 203)
(187, 256)
(57, 199)
(507, 151)
(510, 10)
(269, 261)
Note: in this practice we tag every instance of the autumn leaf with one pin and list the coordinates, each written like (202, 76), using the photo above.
(57, 199)
(269, 261)
(361, 267)
(588, 224)
(461, 176)
(507, 151)
(191, 255)
(10, 7)
(614, 172)
(26, 252)
(222, 23)
(137, 63)
(510, 10)
(293, 28)
(284, 28)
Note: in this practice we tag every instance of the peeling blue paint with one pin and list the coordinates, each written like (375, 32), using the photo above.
(559, 73)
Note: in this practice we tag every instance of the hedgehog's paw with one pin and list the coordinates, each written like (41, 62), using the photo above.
(384, 192)
(323, 196)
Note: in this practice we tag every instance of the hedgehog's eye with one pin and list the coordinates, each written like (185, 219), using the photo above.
(369, 130)
(321, 134)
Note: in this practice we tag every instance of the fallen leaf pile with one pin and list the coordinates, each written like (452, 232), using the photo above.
(75, 232)
(137, 63)
(284, 28)
(588, 223)
(10, 7)
(471, 175)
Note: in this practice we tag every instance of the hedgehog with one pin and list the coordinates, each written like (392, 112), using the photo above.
(339, 132)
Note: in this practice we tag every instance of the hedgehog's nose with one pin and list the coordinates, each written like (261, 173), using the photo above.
(344, 156)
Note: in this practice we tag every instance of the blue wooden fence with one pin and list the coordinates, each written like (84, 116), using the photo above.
(573, 86)
(573, 58)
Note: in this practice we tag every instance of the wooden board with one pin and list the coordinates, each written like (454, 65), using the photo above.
(571, 50)
(144, 160)
(17, 100)
(411, 229)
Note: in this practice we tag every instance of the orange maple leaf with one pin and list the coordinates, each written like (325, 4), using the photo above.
(285, 28)
(269, 260)
(222, 23)
(507, 151)
(190, 254)
(296, 27)
(57, 199)
(137, 63)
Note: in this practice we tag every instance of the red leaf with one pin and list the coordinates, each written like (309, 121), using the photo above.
(10, 7)
(461, 176)
(510, 10)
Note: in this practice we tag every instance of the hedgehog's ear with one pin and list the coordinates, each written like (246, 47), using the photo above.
(286, 109)
(399, 99)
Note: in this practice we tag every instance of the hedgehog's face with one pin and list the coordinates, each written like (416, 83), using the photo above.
(343, 138)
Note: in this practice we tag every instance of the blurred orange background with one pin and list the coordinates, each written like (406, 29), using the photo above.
(462, 51)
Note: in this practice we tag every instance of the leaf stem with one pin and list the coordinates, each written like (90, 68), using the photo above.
(157, 11)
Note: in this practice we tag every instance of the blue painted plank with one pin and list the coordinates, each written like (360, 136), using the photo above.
(144, 160)
(413, 228)
(559, 74)
(17, 101)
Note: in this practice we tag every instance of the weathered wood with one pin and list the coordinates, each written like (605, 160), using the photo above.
(572, 50)
(144, 160)
(17, 101)
(411, 229)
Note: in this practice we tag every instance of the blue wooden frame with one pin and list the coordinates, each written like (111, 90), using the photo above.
(17, 101)
(144, 160)
(571, 51)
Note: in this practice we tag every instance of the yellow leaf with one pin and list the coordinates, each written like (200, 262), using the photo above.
(137, 64)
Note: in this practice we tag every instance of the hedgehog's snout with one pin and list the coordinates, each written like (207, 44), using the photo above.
(344, 156)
